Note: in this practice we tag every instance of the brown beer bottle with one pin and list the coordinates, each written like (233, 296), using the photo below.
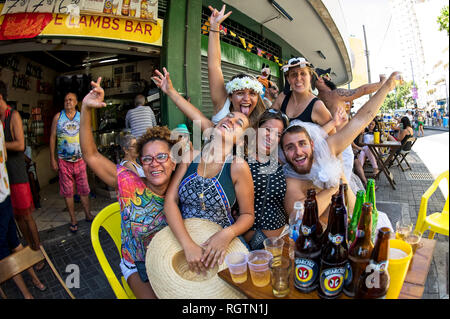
(331, 213)
(311, 194)
(374, 282)
(360, 250)
(334, 258)
(307, 251)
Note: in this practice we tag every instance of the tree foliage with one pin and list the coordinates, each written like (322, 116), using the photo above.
(442, 20)
(400, 98)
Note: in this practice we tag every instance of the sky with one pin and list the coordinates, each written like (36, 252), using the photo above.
(381, 39)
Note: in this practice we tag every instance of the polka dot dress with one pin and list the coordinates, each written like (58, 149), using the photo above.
(270, 184)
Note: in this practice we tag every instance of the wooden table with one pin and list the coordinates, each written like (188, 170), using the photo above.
(413, 286)
(383, 165)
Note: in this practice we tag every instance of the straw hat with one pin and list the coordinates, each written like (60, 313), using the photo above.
(169, 273)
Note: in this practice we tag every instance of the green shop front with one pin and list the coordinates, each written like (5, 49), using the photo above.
(47, 51)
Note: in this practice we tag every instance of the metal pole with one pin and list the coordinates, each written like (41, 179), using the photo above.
(367, 57)
(414, 83)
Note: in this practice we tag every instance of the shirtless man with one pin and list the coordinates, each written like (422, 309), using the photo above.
(335, 98)
(299, 150)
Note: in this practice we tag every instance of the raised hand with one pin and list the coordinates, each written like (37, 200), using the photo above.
(394, 80)
(217, 17)
(95, 97)
(163, 81)
(340, 116)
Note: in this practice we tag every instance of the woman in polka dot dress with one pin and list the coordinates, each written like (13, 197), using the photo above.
(268, 179)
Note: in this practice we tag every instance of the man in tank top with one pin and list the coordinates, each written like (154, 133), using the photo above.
(64, 137)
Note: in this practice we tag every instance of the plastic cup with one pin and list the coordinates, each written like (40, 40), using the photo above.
(258, 264)
(237, 265)
(280, 273)
(400, 254)
(376, 137)
(274, 245)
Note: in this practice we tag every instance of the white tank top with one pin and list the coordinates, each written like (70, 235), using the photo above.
(137, 166)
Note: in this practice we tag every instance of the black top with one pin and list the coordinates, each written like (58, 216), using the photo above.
(269, 190)
(17, 171)
(305, 116)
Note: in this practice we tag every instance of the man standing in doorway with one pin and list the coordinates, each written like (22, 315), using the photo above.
(140, 118)
(64, 137)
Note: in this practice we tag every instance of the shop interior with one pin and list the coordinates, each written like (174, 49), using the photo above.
(38, 81)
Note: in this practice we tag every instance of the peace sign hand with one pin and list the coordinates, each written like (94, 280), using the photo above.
(217, 17)
(163, 81)
(95, 97)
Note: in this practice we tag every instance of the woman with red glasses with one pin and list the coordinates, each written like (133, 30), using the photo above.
(141, 199)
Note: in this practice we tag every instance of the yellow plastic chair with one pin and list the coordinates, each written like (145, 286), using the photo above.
(109, 219)
(436, 222)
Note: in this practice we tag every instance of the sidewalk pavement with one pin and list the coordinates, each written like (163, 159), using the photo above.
(65, 248)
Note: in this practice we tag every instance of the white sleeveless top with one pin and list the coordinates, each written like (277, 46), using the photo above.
(137, 166)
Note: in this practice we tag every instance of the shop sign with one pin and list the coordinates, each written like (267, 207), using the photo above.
(133, 9)
(30, 25)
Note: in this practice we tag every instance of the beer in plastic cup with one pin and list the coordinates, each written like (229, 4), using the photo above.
(237, 265)
(258, 264)
(400, 254)
(274, 245)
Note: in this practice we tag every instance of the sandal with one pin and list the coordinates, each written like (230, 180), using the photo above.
(73, 228)
(40, 287)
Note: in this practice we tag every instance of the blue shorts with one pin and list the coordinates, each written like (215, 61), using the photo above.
(8, 230)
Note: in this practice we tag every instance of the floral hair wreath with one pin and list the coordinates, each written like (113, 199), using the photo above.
(244, 83)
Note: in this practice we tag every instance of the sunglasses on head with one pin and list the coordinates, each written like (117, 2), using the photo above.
(160, 158)
(325, 75)
(283, 116)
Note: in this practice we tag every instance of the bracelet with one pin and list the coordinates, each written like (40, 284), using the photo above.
(211, 30)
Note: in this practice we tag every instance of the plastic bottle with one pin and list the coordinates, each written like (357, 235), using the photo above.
(295, 222)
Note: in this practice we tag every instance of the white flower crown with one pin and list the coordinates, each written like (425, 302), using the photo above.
(244, 83)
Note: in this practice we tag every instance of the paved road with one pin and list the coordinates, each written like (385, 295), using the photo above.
(433, 150)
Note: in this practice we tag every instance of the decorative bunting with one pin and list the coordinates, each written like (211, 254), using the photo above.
(223, 30)
(243, 42)
(249, 47)
(205, 27)
(232, 34)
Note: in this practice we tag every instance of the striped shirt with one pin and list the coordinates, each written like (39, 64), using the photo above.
(139, 120)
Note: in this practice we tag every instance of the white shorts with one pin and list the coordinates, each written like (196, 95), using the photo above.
(127, 268)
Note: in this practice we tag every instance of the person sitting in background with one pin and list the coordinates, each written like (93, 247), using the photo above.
(141, 199)
(128, 145)
(357, 166)
(140, 118)
(367, 137)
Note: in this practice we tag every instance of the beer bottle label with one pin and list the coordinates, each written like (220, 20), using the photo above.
(336, 239)
(306, 230)
(306, 272)
(332, 281)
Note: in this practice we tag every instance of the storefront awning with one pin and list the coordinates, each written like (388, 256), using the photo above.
(310, 27)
